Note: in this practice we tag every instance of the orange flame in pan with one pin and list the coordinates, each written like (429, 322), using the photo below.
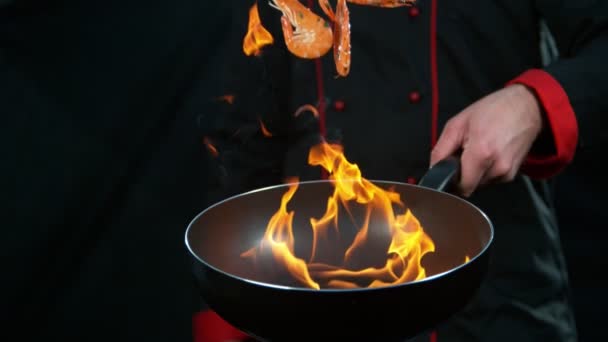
(400, 234)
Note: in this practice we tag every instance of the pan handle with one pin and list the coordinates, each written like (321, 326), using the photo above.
(442, 175)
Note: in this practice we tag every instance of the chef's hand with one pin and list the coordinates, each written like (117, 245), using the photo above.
(494, 134)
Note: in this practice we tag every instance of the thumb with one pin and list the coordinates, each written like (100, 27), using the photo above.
(449, 141)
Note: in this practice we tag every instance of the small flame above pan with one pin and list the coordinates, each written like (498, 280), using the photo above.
(257, 36)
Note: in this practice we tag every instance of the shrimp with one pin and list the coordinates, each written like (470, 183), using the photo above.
(342, 39)
(341, 29)
(312, 37)
(384, 3)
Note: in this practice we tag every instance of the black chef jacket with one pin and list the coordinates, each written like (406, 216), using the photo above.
(414, 68)
(104, 165)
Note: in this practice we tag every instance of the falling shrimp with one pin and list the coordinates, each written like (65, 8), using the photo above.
(341, 28)
(312, 37)
(384, 3)
(342, 39)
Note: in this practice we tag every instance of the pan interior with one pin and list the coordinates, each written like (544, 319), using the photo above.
(220, 234)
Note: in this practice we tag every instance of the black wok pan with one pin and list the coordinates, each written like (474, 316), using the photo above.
(276, 310)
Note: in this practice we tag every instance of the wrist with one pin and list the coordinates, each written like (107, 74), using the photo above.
(531, 105)
(556, 144)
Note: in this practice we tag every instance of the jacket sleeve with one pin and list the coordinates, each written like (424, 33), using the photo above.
(572, 90)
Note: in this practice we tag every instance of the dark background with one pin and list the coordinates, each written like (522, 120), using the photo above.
(582, 209)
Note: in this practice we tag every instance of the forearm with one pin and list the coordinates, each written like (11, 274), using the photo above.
(572, 90)
(584, 78)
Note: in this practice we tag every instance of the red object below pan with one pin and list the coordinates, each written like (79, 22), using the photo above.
(277, 309)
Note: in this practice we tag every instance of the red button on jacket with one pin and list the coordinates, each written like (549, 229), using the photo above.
(339, 105)
(414, 12)
(414, 97)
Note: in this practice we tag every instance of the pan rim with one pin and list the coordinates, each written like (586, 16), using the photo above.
(354, 290)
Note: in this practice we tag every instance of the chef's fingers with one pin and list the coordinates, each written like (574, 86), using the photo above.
(503, 170)
(450, 141)
(475, 162)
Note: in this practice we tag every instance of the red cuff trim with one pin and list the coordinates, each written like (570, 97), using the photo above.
(209, 327)
(562, 121)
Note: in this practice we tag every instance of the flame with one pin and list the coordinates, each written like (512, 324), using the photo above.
(257, 36)
(264, 130)
(401, 235)
(466, 259)
(280, 239)
(212, 149)
(228, 98)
